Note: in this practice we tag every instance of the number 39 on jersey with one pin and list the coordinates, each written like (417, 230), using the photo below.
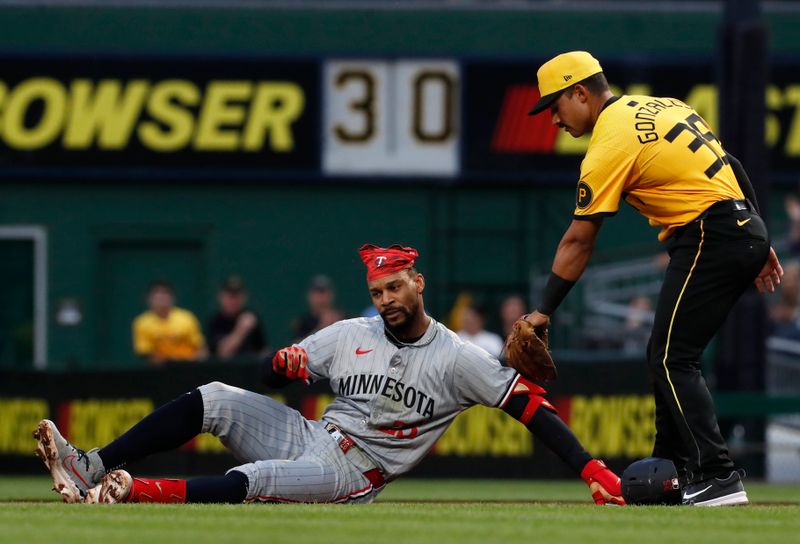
(391, 118)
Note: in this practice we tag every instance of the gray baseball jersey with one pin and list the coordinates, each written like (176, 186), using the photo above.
(395, 401)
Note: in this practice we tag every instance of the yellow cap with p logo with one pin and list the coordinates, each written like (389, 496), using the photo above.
(560, 73)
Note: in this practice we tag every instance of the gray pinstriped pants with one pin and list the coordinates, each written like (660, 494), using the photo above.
(286, 457)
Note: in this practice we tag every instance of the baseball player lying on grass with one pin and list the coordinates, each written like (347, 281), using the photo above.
(400, 380)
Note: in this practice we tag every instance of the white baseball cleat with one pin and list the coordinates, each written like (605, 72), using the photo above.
(93, 495)
(116, 487)
(73, 473)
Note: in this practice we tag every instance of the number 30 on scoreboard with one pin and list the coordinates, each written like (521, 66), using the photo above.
(392, 118)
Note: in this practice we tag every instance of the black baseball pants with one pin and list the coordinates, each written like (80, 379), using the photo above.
(712, 261)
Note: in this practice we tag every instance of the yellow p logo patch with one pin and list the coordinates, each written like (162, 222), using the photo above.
(583, 195)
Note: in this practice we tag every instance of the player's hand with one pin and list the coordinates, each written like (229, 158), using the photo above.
(540, 323)
(770, 274)
(537, 319)
(605, 486)
(291, 362)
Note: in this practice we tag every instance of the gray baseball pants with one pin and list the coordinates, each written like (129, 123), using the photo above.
(286, 457)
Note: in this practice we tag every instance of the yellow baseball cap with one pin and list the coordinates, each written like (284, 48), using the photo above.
(560, 73)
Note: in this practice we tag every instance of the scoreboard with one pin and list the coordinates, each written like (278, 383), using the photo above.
(311, 119)
(393, 118)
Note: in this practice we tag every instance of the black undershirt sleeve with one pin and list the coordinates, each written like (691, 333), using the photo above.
(552, 431)
(744, 181)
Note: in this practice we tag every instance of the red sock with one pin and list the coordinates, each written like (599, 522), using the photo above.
(166, 491)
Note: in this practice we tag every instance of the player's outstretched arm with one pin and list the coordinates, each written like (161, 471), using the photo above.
(571, 259)
(527, 404)
(575, 249)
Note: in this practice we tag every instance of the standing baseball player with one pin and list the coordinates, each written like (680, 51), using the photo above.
(400, 380)
(662, 158)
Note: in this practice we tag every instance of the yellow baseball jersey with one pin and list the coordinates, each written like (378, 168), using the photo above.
(177, 337)
(661, 157)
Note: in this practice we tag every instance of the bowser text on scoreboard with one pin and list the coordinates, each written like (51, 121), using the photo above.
(167, 115)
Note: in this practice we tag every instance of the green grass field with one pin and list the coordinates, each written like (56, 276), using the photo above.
(435, 511)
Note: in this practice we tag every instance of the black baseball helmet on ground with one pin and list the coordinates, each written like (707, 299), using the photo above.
(651, 481)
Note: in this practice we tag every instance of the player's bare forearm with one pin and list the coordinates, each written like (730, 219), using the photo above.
(576, 248)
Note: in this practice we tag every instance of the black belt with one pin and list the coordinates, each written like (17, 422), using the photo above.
(720, 208)
(374, 475)
(725, 207)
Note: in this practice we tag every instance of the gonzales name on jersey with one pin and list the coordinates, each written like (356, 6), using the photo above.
(691, 173)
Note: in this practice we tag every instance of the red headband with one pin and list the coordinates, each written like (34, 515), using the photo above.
(385, 261)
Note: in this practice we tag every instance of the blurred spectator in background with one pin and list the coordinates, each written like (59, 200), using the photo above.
(235, 330)
(783, 314)
(511, 308)
(455, 318)
(473, 321)
(322, 312)
(792, 206)
(638, 325)
(165, 332)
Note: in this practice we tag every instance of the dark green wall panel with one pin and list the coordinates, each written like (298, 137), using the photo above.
(515, 32)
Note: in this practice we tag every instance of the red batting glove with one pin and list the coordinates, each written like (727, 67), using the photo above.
(606, 487)
(291, 362)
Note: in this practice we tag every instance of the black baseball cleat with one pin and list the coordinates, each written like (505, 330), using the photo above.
(727, 491)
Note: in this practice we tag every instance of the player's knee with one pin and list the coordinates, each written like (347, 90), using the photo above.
(214, 392)
(216, 397)
(212, 387)
(663, 364)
